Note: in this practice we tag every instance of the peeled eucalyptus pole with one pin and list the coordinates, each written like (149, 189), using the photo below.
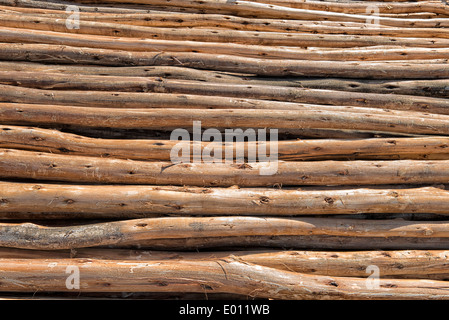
(72, 201)
(226, 275)
(54, 141)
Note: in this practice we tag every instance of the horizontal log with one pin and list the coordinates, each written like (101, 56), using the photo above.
(54, 141)
(291, 14)
(265, 67)
(262, 10)
(25, 296)
(227, 276)
(412, 48)
(45, 201)
(241, 23)
(146, 43)
(273, 13)
(417, 263)
(44, 6)
(17, 28)
(34, 236)
(45, 166)
(432, 88)
(55, 81)
(173, 118)
(62, 118)
(391, 7)
(429, 88)
(360, 7)
(138, 71)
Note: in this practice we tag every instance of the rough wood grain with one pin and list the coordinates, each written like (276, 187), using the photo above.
(46, 201)
(419, 264)
(48, 53)
(226, 275)
(33, 236)
(54, 141)
(37, 27)
(45, 166)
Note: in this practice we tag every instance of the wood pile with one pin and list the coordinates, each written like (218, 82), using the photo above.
(92, 91)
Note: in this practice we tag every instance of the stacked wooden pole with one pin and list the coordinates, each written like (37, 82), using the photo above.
(92, 92)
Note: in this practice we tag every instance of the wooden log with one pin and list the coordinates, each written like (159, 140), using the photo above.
(176, 94)
(147, 44)
(227, 276)
(104, 36)
(371, 52)
(433, 88)
(421, 264)
(361, 8)
(171, 119)
(391, 8)
(139, 71)
(261, 10)
(54, 141)
(291, 14)
(136, 100)
(123, 296)
(62, 118)
(57, 5)
(171, 86)
(34, 236)
(237, 23)
(227, 63)
(98, 34)
(45, 166)
(46, 201)
(430, 88)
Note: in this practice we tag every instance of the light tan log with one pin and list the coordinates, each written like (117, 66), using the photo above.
(419, 22)
(139, 71)
(170, 119)
(237, 23)
(78, 201)
(433, 88)
(227, 276)
(104, 36)
(146, 101)
(46, 166)
(159, 44)
(361, 8)
(44, 6)
(282, 13)
(107, 40)
(416, 263)
(390, 7)
(34, 236)
(53, 81)
(261, 10)
(266, 67)
(182, 94)
(88, 121)
(54, 141)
